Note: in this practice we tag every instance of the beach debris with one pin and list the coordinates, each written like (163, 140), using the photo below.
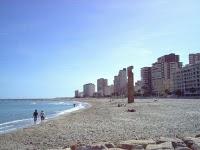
(197, 136)
(121, 105)
(109, 145)
(131, 110)
(155, 100)
(73, 147)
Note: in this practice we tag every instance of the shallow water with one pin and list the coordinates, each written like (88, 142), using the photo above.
(16, 114)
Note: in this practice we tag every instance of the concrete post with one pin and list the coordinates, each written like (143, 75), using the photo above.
(130, 85)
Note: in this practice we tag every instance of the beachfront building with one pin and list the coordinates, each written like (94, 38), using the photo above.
(89, 90)
(138, 88)
(101, 85)
(80, 94)
(109, 90)
(187, 80)
(123, 82)
(146, 87)
(194, 58)
(76, 94)
(116, 85)
(120, 83)
(162, 74)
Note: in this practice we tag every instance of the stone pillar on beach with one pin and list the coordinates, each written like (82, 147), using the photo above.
(130, 85)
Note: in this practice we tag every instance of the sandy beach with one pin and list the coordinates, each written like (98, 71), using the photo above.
(105, 121)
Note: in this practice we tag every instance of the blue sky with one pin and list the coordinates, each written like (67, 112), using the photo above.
(50, 48)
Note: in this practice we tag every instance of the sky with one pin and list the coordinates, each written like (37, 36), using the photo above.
(51, 48)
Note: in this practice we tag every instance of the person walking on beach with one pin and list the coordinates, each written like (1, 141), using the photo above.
(42, 115)
(35, 115)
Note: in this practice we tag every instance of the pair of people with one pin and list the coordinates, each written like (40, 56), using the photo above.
(35, 115)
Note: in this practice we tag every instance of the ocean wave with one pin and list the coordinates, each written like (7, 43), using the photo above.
(22, 123)
(79, 106)
(15, 121)
(6, 127)
(60, 103)
(33, 103)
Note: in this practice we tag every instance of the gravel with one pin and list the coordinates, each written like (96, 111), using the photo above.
(104, 122)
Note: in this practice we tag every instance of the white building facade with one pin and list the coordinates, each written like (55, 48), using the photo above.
(187, 80)
(194, 58)
(162, 74)
(109, 90)
(120, 83)
(89, 90)
(101, 85)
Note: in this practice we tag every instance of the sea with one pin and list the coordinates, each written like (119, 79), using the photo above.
(17, 113)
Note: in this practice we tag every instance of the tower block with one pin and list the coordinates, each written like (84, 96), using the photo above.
(130, 85)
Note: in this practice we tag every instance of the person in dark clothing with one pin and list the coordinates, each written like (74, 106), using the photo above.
(35, 115)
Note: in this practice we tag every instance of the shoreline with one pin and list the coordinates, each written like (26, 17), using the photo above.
(28, 122)
(105, 122)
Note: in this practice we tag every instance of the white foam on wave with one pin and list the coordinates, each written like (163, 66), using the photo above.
(57, 103)
(16, 124)
(60, 103)
(33, 103)
(12, 122)
(6, 127)
(79, 106)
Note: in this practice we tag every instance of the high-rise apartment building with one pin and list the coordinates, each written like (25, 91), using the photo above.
(146, 87)
(187, 80)
(109, 90)
(76, 94)
(138, 87)
(116, 85)
(123, 81)
(194, 58)
(120, 83)
(89, 90)
(101, 84)
(162, 73)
